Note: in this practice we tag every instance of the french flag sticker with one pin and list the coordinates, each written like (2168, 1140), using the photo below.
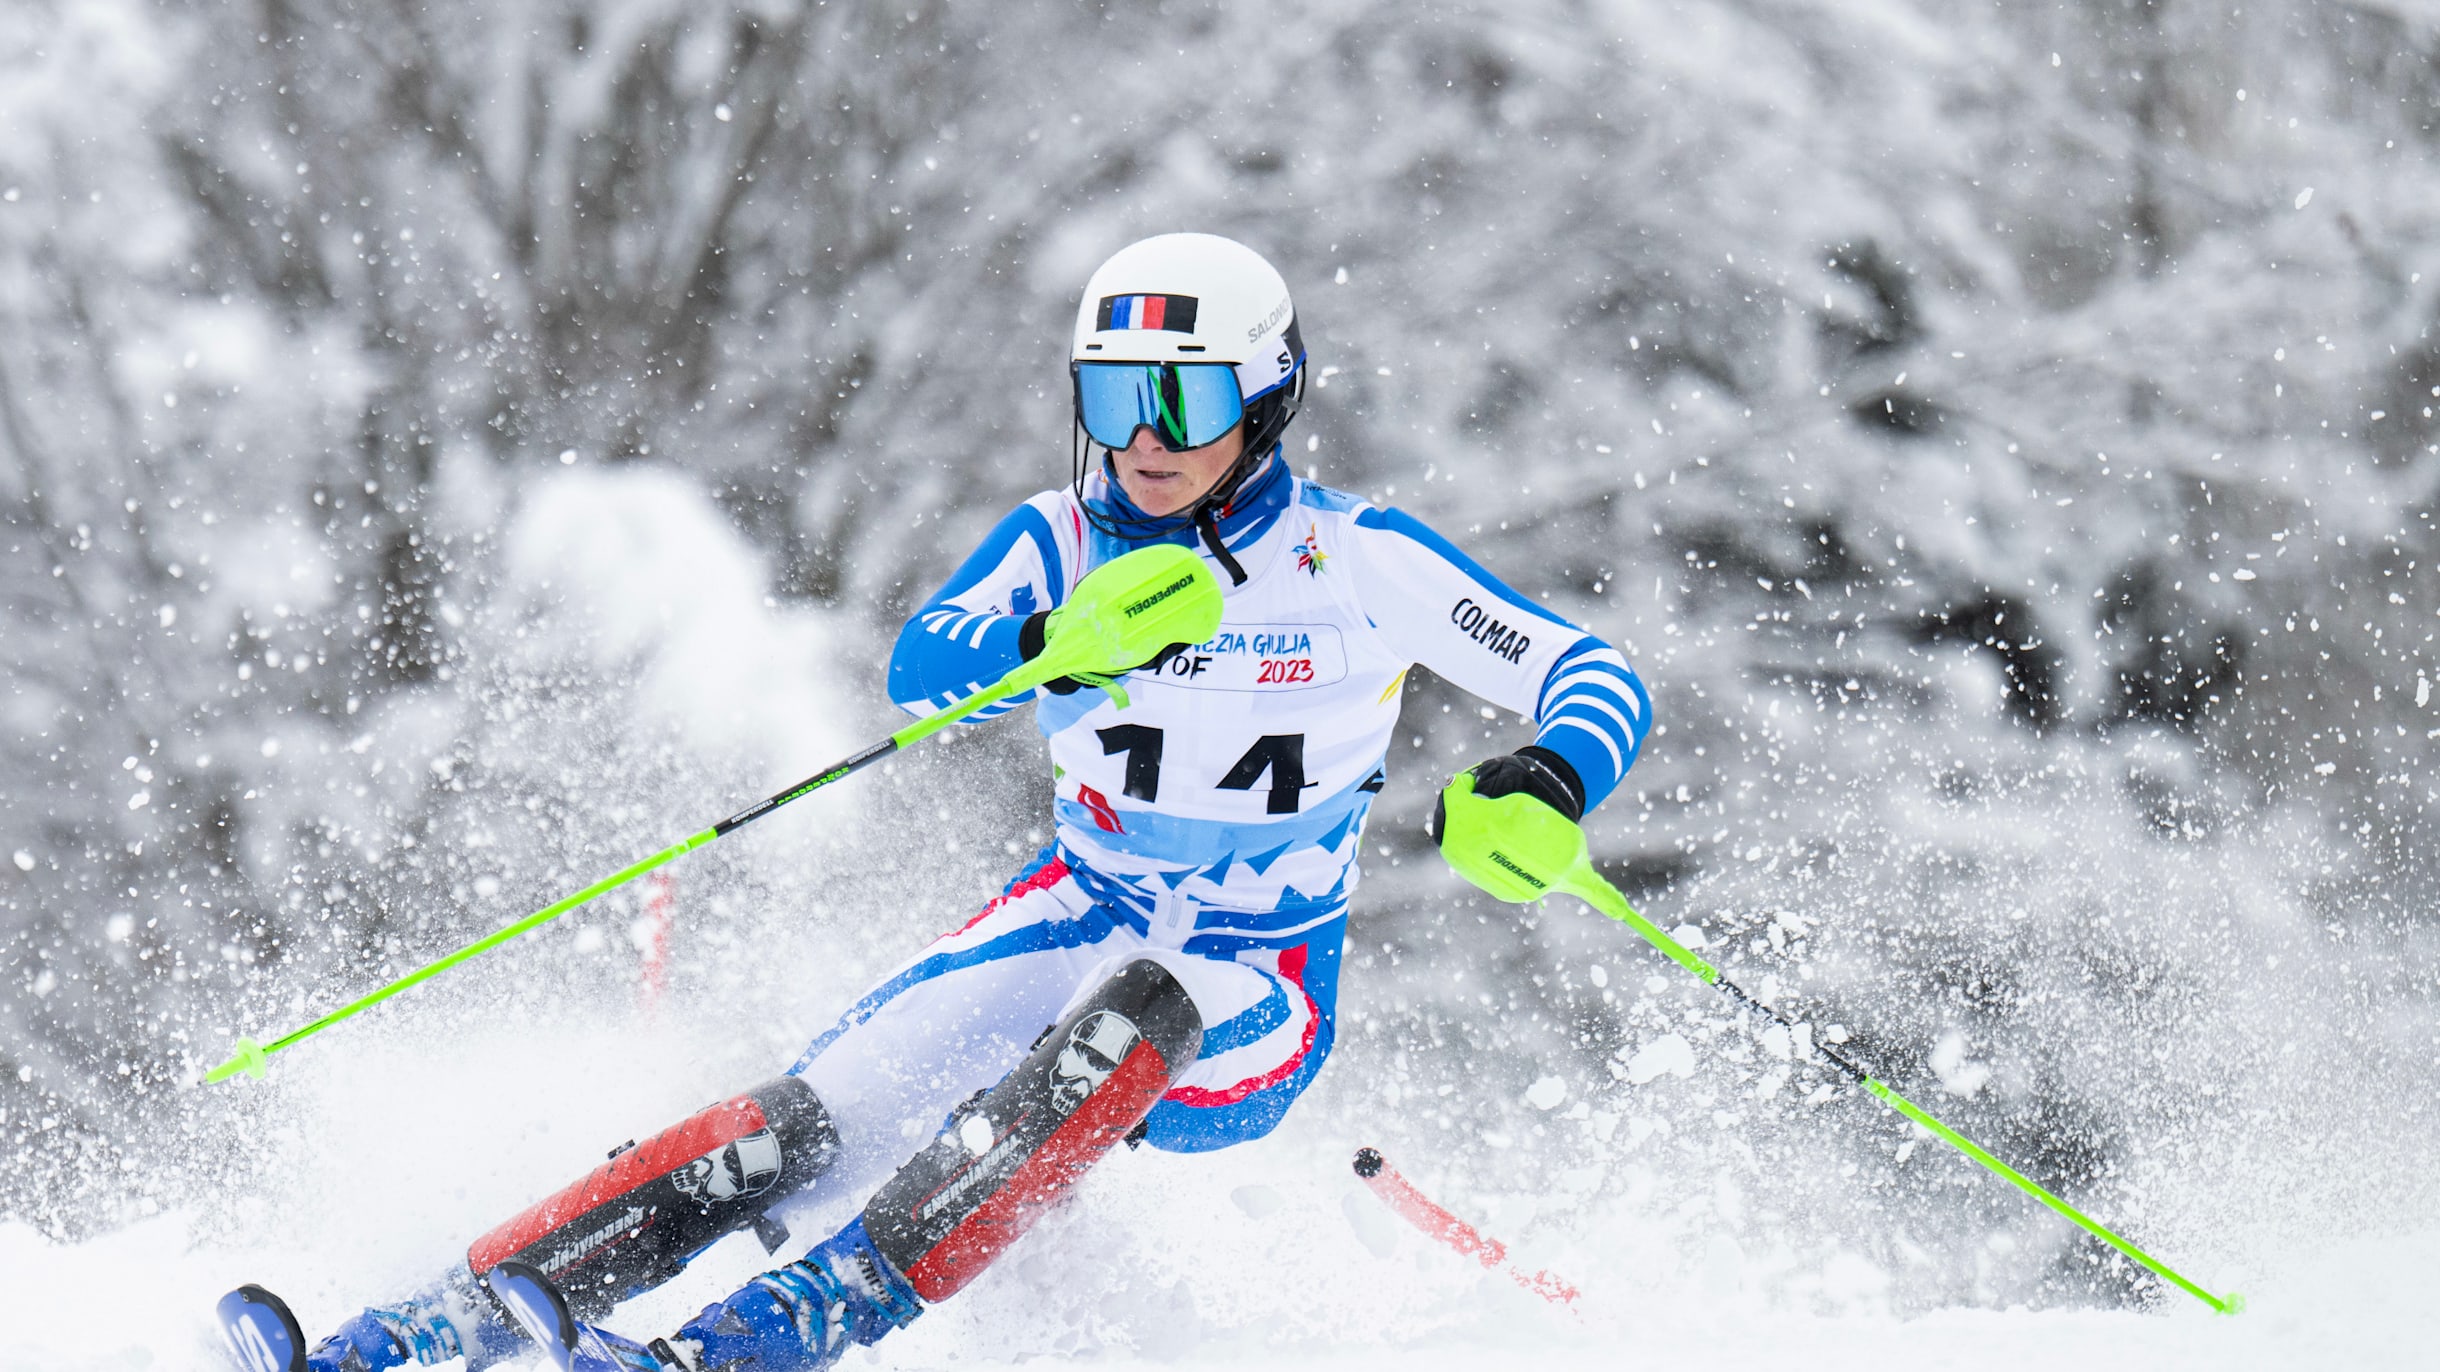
(1172, 313)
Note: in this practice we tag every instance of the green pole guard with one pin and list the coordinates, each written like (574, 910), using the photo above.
(1519, 849)
(1124, 613)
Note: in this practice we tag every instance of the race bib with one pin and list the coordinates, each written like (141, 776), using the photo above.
(1262, 657)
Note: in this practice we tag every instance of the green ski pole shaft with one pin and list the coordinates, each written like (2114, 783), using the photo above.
(1597, 892)
(252, 1058)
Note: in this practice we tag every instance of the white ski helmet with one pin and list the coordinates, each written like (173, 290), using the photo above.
(1193, 297)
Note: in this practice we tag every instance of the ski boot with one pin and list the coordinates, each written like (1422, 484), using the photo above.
(799, 1318)
(442, 1322)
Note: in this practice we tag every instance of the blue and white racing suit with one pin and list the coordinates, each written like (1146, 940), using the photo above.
(1212, 825)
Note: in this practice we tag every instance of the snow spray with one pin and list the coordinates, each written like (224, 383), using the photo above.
(1122, 615)
(1521, 850)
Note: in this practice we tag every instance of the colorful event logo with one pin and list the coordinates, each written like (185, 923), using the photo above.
(1310, 558)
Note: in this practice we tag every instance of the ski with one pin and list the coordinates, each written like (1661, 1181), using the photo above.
(542, 1312)
(261, 1332)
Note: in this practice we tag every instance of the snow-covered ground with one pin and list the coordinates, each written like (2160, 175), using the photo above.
(1264, 1254)
(1300, 1287)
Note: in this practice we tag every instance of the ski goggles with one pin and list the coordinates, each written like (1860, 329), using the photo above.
(1186, 404)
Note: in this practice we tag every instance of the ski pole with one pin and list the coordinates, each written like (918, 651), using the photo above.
(1520, 850)
(1123, 613)
(1425, 1214)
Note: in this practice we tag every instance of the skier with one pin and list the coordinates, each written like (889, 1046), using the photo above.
(1180, 936)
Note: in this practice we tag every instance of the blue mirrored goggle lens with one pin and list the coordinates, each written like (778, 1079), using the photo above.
(1186, 404)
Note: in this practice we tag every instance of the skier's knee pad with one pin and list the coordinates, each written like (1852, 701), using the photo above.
(634, 1221)
(959, 1203)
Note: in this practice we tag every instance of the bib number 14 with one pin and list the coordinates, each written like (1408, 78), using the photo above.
(1279, 757)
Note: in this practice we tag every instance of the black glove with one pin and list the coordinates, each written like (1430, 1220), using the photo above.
(1035, 630)
(1538, 772)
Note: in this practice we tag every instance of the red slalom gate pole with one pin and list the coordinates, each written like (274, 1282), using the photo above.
(1421, 1211)
(660, 893)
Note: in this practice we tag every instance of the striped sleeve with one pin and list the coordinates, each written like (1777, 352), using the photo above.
(1593, 711)
(1439, 607)
(965, 637)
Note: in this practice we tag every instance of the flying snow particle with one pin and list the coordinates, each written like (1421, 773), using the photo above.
(1340, 278)
(139, 800)
(1546, 1093)
(25, 861)
(1959, 1075)
(169, 615)
(1669, 1054)
(722, 113)
(2304, 197)
(1688, 934)
(118, 927)
(2423, 697)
